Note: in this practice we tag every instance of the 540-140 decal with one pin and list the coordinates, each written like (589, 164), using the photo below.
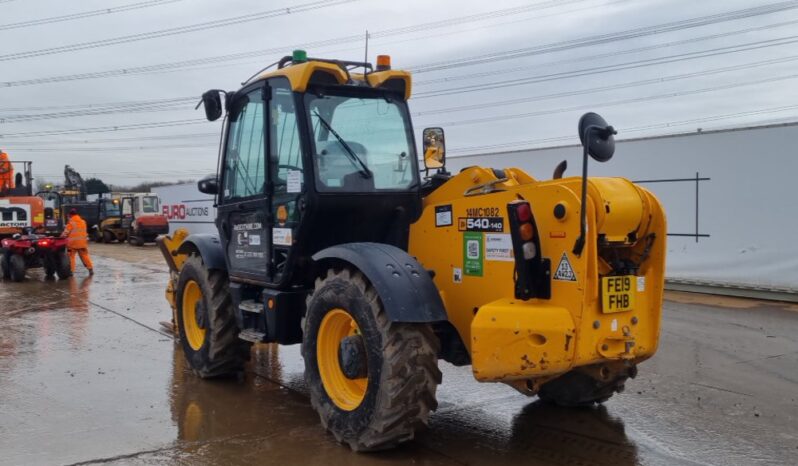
(487, 224)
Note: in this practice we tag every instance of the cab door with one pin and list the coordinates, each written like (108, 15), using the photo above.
(243, 209)
(127, 212)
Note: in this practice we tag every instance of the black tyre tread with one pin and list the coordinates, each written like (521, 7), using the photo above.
(226, 352)
(16, 267)
(62, 266)
(4, 265)
(108, 237)
(576, 389)
(409, 380)
(48, 263)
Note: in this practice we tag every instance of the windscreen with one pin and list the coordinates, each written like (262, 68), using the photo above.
(112, 208)
(361, 144)
(149, 204)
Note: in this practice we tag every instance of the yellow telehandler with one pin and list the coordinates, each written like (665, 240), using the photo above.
(329, 237)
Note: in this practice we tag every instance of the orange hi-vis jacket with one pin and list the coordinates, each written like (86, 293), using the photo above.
(6, 172)
(75, 232)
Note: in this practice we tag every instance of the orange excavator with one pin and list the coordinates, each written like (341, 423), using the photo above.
(20, 210)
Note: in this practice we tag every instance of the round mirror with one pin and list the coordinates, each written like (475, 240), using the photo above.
(597, 136)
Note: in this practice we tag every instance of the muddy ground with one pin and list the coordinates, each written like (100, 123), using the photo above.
(86, 376)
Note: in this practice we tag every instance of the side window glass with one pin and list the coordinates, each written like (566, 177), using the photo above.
(245, 170)
(286, 153)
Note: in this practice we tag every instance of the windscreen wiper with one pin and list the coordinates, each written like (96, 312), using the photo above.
(363, 168)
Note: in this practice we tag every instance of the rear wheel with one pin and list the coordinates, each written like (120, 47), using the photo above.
(62, 266)
(577, 389)
(48, 262)
(17, 267)
(206, 321)
(371, 380)
(5, 267)
(108, 237)
(97, 235)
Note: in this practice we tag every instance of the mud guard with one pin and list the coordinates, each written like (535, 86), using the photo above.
(208, 247)
(405, 288)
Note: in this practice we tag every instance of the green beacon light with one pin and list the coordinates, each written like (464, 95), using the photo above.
(299, 56)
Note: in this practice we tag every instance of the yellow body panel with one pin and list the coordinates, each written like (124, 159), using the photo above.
(299, 76)
(494, 346)
(512, 340)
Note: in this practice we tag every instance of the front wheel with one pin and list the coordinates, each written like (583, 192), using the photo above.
(108, 237)
(371, 380)
(206, 321)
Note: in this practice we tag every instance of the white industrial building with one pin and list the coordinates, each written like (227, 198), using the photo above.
(732, 215)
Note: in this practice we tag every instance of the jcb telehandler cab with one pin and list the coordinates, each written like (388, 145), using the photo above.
(328, 237)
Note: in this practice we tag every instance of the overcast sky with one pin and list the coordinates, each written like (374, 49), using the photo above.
(571, 56)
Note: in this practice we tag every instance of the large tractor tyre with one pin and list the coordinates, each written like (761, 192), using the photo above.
(17, 267)
(5, 267)
(97, 236)
(206, 322)
(372, 381)
(577, 389)
(108, 237)
(62, 266)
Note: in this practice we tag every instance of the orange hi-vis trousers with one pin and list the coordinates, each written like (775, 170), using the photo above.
(84, 257)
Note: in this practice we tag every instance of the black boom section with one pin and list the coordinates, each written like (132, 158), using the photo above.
(404, 286)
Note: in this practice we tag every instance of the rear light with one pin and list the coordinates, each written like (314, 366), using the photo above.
(44, 243)
(526, 231)
(532, 272)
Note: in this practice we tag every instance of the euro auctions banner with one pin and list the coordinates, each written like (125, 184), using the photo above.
(185, 207)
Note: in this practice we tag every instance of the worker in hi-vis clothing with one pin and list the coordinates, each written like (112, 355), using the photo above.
(6, 172)
(77, 241)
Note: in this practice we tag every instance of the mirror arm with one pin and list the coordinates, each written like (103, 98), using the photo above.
(604, 133)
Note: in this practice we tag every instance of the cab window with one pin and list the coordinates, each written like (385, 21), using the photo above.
(286, 153)
(245, 171)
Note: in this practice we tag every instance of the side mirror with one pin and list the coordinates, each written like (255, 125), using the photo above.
(598, 141)
(597, 136)
(208, 185)
(212, 101)
(434, 145)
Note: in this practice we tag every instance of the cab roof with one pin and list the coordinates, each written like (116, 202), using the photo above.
(335, 72)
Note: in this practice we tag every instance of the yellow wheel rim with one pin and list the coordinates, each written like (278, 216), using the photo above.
(195, 335)
(346, 393)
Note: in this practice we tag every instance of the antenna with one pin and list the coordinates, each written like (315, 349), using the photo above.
(366, 55)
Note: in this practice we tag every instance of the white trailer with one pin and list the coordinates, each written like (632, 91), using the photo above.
(186, 207)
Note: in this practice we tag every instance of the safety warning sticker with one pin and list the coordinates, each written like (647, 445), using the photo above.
(443, 215)
(472, 254)
(564, 270)
(499, 247)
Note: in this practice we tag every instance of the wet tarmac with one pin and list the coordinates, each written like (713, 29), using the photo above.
(86, 377)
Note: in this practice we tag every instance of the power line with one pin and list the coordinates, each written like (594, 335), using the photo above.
(113, 140)
(176, 30)
(85, 14)
(620, 86)
(613, 54)
(609, 68)
(356, 38)
(526, 144)
(104, 129)
(667, 95)
(601, 39)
